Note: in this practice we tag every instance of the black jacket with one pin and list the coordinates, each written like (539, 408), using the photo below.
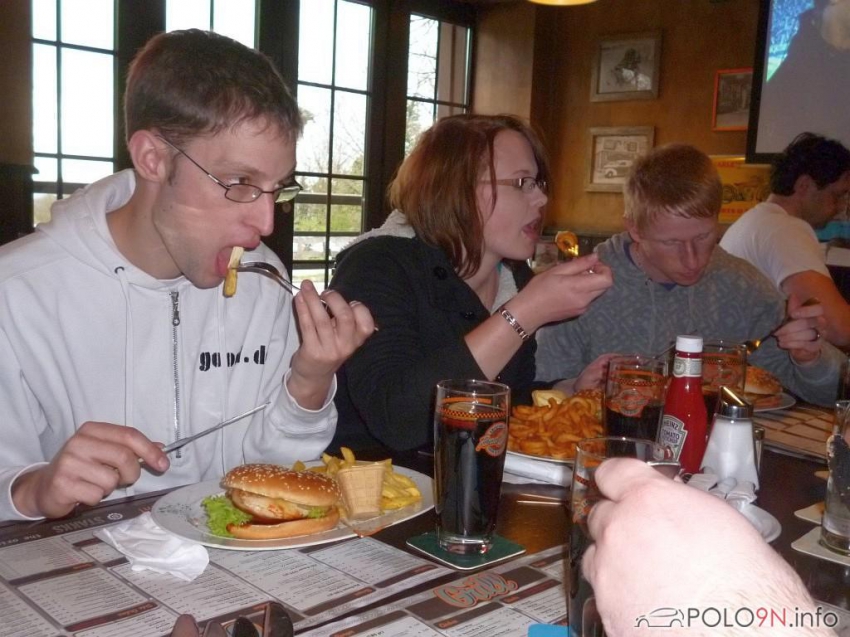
(423, 311)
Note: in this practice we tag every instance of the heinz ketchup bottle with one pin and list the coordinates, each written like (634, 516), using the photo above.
(684, 425)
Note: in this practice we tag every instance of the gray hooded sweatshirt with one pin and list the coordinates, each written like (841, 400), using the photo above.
(732, 301)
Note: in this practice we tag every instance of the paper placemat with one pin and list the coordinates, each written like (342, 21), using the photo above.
(801, 429)
(811, 545)
(812, 513)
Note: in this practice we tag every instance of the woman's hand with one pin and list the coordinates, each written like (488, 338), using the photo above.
(561, 292)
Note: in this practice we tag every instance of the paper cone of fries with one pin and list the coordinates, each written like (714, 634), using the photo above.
(361, 487)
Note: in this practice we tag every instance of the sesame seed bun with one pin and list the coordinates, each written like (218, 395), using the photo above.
(272, 481)
(762, 382)
(281, 502)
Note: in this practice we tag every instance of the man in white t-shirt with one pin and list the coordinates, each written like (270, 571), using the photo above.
(810, 184)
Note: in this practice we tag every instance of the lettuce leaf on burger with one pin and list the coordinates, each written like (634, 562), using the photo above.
(265, 501)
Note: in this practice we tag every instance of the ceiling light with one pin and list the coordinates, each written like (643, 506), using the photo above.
(562, 3)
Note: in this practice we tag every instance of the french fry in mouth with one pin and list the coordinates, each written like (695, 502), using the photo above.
(230, 278)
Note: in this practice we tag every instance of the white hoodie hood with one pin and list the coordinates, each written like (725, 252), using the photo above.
(87, 336)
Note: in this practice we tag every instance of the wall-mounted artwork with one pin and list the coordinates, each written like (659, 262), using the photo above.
(627, 67)
(732, 90)
(612, 151)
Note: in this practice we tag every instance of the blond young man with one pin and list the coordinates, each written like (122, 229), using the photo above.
(670, 278)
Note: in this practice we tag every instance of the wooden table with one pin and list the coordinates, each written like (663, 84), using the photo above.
(787, 485)
(536, 516)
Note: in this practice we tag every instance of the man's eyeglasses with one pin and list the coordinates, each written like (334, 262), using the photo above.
(244, 193)
(525, 184)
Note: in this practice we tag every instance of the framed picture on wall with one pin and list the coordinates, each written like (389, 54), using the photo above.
(611, 153)
(732, 90)
(627, 67)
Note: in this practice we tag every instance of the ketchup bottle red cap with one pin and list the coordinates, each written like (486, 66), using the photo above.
(689, 344)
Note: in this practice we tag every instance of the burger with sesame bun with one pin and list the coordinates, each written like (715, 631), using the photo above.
(265, 501)
(762, 388)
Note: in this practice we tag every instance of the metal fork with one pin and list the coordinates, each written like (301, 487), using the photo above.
(270, 271)
(267, 269)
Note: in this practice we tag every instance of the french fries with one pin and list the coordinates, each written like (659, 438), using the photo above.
(397, 490)
(230, 278)
(553, 428)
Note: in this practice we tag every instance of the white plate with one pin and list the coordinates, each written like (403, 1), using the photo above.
(181, 513)
(785, 401)
(519, 454)
(764, 522)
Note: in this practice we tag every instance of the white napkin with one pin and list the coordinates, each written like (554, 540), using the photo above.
(538, 470)
(149, 547)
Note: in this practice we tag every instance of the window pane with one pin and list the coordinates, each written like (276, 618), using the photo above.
(89, 22)
(315, 40)
(311, 206)
(44, 122)
(314, 147)
(347, 218)
(309, 248)
(48, 169)
(420, 116)
(235, 19)
(422, 57)
(87, 94)
(354, 29)
(316, 275)
(338, 244)
(347, 208)
(41, 207)
(453, 58)
(349, 140)
(79, 171)
(187, 14)
(44, 19)
(310, 217)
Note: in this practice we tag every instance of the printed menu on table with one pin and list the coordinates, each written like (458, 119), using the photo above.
(504, 600)
(58, 579)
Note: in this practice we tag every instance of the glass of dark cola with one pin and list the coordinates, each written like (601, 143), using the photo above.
(724, 363)
(635, 389)
(470, 439)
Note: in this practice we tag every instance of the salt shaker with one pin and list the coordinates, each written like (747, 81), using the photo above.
(731, 448)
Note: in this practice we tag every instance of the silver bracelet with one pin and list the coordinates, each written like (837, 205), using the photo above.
(511, 319)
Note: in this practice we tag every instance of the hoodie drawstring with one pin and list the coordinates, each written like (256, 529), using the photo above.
(129, 366)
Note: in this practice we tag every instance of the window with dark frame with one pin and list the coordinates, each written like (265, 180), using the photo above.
(344, 77)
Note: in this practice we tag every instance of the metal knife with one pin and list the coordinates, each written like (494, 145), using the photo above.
(177, 444)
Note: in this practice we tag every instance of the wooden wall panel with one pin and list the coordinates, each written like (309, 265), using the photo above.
(504, 57)
(699, 37)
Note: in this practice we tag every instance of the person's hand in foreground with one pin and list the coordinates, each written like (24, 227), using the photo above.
(94, 462)
(326, 343)
(801, 335)
(185, 626)
(659, 543)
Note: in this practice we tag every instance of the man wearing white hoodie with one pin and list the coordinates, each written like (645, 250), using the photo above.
(114, 331)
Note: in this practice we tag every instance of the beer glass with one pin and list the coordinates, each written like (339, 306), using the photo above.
(724, 363)
(835, 529)
(470, 439)
(590, 453)
(635, 389)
